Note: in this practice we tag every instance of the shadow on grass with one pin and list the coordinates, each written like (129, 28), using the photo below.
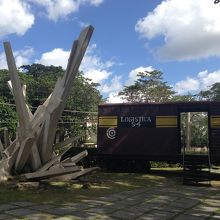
(95, 185)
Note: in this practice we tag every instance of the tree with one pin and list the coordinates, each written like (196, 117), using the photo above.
(8, 117)
(149, 87)
(194, 124)
(5, 93)
(40, 81)
(84, 100)
(184, 98)
(213, 94)
(84, 96)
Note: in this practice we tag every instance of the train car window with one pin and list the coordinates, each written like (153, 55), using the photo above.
(194, 132)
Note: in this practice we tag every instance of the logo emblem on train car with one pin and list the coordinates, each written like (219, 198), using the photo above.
(111, 133)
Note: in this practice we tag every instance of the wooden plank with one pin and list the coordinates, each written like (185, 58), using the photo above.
(75, 175)
(53, 161)
(9, 150)
(68, 141)
(13, 157)
(67, 160)
(76, 58)
(69, 64)
(24, 152)
(30, 151)
(38, 118)
(68, 164)
(45, 136)
(57, 91)
(24, 93)
(10, 86)
(50, 163)
(54, 106)
(50, 127)
(19, 134)
(29, 112)
(17, 90)
(79, 156)
(1, 147)
(75, 61)
(35, 160)
(6, 138)
(56, 166)
(51, 173)
(24, 115)
(4, 172)
(39, 137)
(39, 113)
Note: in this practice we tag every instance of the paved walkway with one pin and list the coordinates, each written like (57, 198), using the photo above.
(159, 202)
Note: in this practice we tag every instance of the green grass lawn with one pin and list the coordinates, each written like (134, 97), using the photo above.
(101, 184)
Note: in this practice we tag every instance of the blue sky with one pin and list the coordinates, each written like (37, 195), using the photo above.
(179, 38)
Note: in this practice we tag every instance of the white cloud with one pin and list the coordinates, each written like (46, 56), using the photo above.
(113, 86)
(22, 57)
(56, 57)
(203, 81)
(96, 75)
(187, 86)
(15, 17)
(206, 79)
(133, 74)
(93, 66)
(191, 29)
(114, 98)
(95, 2)
(56, 9)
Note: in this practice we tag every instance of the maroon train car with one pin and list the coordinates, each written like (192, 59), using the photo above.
(151, 132)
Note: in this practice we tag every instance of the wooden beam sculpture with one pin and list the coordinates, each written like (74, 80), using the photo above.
(33, 147)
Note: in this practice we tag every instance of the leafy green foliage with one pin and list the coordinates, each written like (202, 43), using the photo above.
(198, 128)
(149, 87)
(5, 93)
(184, 98)
(40, 81)
(8, 117)
(213, 94)
(82, 101)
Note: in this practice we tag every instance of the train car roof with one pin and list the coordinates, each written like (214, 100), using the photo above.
(163, 103)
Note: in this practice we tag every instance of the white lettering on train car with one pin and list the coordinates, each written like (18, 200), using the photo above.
(136, 121)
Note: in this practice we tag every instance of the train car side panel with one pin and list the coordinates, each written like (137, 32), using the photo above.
(138, 131)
